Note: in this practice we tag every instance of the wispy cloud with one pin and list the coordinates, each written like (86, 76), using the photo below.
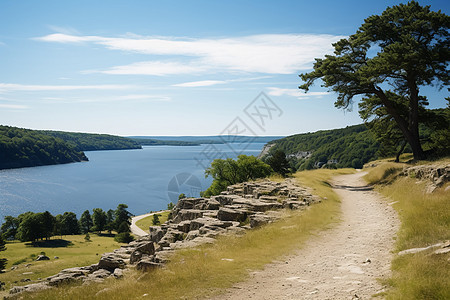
(6, 87)
(265, 53)
(13, 106)
(203, 83)
(121, 98)
(274, 91)
(200, 83)
(157, 68)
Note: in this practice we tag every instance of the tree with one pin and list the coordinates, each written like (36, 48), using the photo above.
(9, 227)
(31, 227)
(110, 224)
(85, 221)
(229, 171)
(155, 220)
(99, 219)
(181, 196)
(413, 51)
(278, 162)
(122, 216)
(69, 223)
(2, 248)
(48, 224)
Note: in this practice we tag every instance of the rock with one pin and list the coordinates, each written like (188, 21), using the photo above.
(212, 204)
(162, 257)
(56, 257)
(259, 220)
(110, 262)
(14, 268)
(34, 287)
(188, 203)
(228, 214)
(156, 233)
(135, 257)
(42, 257)
(102, 273)
(145, 247)
(25, 280)
(118, 273)
(184, 226)
(63, 278)
(187, 214)
(147, 265)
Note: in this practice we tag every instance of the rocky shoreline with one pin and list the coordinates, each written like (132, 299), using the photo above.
(193, 222)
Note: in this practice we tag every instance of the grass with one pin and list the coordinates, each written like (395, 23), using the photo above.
(145, 223)
(425, 220)
(76, 252)
(203, 272)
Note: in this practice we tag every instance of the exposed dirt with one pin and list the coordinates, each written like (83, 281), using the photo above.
(341, 263)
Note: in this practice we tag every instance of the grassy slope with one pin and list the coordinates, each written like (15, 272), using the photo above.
(81, 253)
(145, 223)
(425, 220)
(202, 272)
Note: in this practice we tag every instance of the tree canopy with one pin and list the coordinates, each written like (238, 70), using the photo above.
(226, 172)
(386, 61)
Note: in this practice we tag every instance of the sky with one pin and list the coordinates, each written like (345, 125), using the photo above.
(175, 67)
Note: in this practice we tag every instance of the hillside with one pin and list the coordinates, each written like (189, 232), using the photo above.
(210, 139)
(27, 148)
(352, 146)
(91, 142)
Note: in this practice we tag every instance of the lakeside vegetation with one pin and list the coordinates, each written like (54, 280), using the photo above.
(425, 220)
(203, 272)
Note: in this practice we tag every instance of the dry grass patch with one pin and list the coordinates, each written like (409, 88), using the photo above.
(425, 220)
(207, 270)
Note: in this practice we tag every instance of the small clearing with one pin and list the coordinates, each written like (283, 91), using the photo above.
(340, 263)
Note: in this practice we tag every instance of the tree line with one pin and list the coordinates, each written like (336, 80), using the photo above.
(30, 226)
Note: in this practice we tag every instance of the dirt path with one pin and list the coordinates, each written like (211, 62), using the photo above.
(135, 229)
(340, 263)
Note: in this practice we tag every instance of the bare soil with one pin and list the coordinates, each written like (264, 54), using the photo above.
(340, 263)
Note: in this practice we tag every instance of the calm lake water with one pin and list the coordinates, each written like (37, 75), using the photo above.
(146, 180)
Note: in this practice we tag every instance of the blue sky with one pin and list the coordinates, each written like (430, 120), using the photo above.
(173, 67)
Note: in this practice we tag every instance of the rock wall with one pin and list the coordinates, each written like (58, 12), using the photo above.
(193, 221)
(436, 174)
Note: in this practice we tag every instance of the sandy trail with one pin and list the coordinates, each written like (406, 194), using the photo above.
(341, 263)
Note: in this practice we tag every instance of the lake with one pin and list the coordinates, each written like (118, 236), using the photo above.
(146, 180)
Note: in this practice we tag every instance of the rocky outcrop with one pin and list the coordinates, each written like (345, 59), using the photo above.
(194, 221)
(436, 174)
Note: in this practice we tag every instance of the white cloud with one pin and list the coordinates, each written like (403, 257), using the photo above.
(265, 53)
(6, 87)
(157, 68)
(274, 91)
(200, 83)
(13, 106)
(215, 82)
(121, 98)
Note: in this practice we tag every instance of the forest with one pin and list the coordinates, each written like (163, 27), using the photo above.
(92, 142)
(27, 148)
(352, 146)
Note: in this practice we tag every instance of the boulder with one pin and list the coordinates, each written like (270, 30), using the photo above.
(135, 257)
(34, 287)
(102, 273)
(212, 204)
(42, 257)
(118, 273)
(156, 233)
(187, 214)
(228, 214)
(145, 247)
(110, 262)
